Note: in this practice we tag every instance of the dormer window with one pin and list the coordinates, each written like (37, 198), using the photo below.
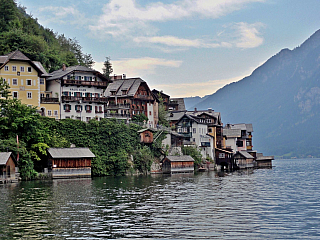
(113, 93)
(124, 92)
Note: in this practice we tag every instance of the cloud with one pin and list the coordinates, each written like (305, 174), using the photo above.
(63, 15)
(179, 42)
(123, 17)
(248, 35)
(137, 67)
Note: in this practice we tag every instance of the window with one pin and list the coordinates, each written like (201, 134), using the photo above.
(29, 82)
(88, 108)
(78, 108)
(41, 81)
(29, 69)
(240, 143)
(67, 107)
(42, 95)
(150, 113)
(49, 112)
(6, 68)
(14, 81)
(21, 69)
(29, 95)
(14, 68)
(15, 94)
(210, 130)
(55, 112)
(113, 92)
(194, 130)
(88, 119)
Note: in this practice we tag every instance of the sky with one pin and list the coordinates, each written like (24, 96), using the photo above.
(183, 47)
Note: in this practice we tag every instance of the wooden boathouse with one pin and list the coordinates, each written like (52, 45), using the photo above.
(70, 162)
(244, 160)
(7, 167)
(178, 164)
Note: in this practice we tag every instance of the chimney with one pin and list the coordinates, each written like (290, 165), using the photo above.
(195, 109)
(63, 67)
(210, 110)
(124, 76)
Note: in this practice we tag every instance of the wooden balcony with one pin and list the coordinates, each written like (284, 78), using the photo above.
(49, 100)
(116, 115)
(144, 97)
(117, 106)
(85, 83)
(84, 99)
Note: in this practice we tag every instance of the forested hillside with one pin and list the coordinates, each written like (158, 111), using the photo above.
(18, 30)
(282, 100)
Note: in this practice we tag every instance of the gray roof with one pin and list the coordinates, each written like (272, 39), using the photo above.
(245, 154)
(241, 126)
(39, 65)
(19, 56)
(62, 73)
(4, 156)
(180, 101)
(183, 158)
(231, 132)
(70, 153)
(175, 116)
(130, 85)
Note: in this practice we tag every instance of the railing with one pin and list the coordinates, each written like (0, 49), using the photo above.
(118, 106)
(144, 97)
(85, 83)
(84, 99)
(116, 115)
(49, 100)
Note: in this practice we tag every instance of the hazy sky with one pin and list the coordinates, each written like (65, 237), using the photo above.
(183, 47)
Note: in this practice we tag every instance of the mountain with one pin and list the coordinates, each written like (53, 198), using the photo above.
(192, 101)
(281, 98)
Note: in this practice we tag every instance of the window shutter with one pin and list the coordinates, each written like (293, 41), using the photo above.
(64, 107)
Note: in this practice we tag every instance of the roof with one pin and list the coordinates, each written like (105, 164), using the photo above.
(70, 153)
(180, 102)
(19, 56)
(58, 74)
(245, 154)
(241, 126)
(146, 129)
(183, 158)
(39, 65)
(4, 156)
(175, 116)
(231, 132)
(130, 85)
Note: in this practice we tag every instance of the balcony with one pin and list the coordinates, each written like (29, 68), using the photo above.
(116, 115)
(85, 83)
(118, 106)
(144, 97)
(84, 99)
(49, 100)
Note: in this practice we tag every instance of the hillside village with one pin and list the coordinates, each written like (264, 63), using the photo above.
(82, 93)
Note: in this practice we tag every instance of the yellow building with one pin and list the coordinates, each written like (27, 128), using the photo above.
(27, 81)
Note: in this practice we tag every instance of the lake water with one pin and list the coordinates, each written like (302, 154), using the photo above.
(278, 203)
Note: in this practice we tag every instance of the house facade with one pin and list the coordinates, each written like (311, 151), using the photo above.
(80, 92)
(7, 167)
(195, 131)
(27, 81)
(70, 162)
(131, 96)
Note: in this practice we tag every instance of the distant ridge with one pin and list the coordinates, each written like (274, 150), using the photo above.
(282, 100)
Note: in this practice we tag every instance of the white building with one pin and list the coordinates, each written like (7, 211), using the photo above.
(80, 91)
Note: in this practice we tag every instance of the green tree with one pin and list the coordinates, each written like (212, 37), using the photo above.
(107, 69)
(162, 113)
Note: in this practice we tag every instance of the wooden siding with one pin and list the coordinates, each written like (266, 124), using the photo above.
(146, 137)
(71, 163)
(8, 171)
